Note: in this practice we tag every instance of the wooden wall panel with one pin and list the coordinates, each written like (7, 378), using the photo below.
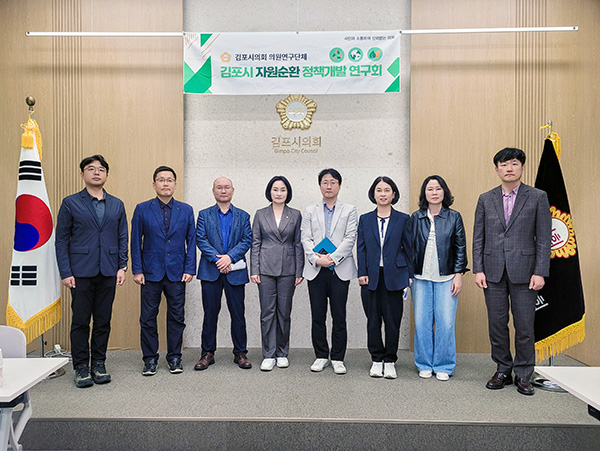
(118, 97)
(462, 112)
(573, 104)
(472, 95)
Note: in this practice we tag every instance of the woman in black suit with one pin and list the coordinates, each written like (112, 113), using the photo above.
(276, 263)
(384, 255)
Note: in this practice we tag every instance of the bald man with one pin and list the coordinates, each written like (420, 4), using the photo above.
(223, 235)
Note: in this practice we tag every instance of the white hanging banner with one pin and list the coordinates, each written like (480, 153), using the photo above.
(341, 62)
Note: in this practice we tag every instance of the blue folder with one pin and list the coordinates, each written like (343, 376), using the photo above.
(325, 247)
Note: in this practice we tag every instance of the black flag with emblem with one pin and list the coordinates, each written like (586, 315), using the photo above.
(560, 311)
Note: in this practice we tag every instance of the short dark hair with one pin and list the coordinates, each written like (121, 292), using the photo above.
(448, 197)
(161, 169)
(507, 154)
(332, 172)
(88, 160)
(389, 181)
(285, 182)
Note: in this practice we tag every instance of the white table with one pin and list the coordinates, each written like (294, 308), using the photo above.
(580, 381)
(19, 376)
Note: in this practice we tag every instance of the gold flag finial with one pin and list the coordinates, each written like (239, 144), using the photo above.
(31, 129)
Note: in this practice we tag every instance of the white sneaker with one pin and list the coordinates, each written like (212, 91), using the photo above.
(282, 362)
(376, 369)
(442, 376)
(426, 374)
(267, 365)
(319, 364)
(389, 370)
(338, 367)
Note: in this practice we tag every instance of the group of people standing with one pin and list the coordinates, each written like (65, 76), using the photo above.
(426, 252)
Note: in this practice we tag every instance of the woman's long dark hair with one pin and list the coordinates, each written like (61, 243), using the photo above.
(448, 197)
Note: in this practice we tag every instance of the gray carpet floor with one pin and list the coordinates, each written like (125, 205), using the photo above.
(224, 391)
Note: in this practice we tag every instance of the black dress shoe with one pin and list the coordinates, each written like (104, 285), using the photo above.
(206, 360)
(524, 386)
(242, 361)
(499, 380)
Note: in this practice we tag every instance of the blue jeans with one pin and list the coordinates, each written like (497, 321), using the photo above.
(433, 304)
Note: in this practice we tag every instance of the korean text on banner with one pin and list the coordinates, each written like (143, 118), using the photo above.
(350, 62)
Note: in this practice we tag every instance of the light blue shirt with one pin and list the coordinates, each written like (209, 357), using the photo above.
(328, 219)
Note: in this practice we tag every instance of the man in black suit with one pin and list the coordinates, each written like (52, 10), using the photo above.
(91, 250)
(511, 257)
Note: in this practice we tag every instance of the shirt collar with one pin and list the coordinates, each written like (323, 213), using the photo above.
(329, 209)
(90, 197)
(163, 205)
(513, 192)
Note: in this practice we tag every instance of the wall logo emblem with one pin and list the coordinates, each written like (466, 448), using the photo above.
(296, 111)
(563, 235)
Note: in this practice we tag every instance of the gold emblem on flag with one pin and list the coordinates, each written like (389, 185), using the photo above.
(563, 235)
(296, 111)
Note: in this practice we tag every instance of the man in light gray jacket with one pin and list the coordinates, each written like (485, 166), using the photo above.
(329, 269)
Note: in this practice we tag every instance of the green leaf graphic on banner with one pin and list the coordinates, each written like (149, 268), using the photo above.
(395, 86)
(204, 38)
(201, 81)
(187, 73)
(394, 68)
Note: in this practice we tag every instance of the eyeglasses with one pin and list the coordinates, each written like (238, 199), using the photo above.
(92, 169)
(329, 182)
(165, 181)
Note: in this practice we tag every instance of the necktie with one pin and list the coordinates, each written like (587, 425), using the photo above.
(382, 224)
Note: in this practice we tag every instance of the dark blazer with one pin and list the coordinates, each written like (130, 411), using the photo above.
(522, 246)
(397, 250)
(277, 251)
(84, 247)
(156, 253)
(210, 242)
(450, 241)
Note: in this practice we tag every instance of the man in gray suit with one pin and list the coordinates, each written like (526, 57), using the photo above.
(329, 272)
(511, 257)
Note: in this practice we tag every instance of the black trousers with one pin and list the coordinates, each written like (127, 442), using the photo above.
(327, 285)
(382, 304)
(92, 297)
(150, 302)
(522, 306)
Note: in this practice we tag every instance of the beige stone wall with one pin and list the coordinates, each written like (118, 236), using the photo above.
(363, 136)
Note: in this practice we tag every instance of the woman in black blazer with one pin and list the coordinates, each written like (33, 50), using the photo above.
(385, 269)
(276, 264)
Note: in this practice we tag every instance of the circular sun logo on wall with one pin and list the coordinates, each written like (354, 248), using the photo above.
(563, 235)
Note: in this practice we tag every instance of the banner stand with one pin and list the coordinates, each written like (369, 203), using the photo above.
(545, 384)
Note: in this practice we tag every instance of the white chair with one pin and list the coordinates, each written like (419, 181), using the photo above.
(14, 345)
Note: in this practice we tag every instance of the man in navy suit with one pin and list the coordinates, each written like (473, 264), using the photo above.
(91, 250)
(163, 260)
(223, 235)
